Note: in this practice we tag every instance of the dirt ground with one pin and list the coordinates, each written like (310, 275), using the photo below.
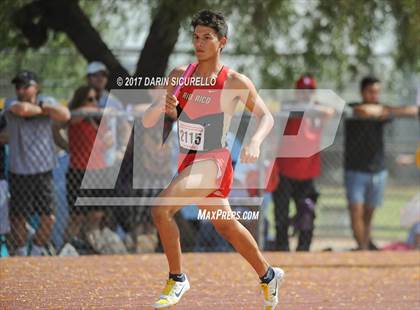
(352, 280)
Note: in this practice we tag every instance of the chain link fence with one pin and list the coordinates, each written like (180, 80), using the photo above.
(143, 167)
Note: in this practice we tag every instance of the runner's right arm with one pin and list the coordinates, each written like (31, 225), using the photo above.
(166, 104)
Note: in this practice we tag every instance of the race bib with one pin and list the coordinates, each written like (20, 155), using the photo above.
(191, 136)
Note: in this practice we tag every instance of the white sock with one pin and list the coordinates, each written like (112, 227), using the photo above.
(22, 251)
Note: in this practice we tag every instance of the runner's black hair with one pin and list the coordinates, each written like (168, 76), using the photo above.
(214, 20)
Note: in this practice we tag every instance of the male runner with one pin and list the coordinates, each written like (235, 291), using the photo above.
(205, 168)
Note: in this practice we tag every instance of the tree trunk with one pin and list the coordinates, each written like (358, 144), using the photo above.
(67, 16)
(35, 18)
(162, 37)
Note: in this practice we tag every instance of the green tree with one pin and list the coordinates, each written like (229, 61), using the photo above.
(333, 39)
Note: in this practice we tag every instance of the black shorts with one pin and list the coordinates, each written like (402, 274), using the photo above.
(30, 194)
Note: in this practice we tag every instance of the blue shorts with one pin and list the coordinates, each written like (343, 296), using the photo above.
(365, 187)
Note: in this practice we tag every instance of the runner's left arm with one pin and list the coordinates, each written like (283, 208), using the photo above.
(257, 107)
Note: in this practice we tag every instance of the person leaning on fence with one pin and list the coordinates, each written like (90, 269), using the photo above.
(29, 118)
(364, 152)
(97, 77)
(297, 174)
(86, 128)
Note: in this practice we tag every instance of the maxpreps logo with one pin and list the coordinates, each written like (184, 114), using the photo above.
(207, 215)
(306, 140)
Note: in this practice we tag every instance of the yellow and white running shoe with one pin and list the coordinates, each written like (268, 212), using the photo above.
(172, 293)
(271, 290)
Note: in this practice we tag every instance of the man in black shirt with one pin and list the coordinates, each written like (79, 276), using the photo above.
(365, 173)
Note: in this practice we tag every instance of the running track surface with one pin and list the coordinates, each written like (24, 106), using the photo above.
(353, 280)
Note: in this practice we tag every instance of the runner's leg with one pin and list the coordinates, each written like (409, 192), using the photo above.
(196, 180)
(240, 238)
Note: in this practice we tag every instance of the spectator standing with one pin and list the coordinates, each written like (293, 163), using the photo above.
(118, 125)
(97, 78)
(364, 153)
(84, 132)
(297, 174)
(29, 118)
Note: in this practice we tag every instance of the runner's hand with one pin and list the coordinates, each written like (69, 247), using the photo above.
(250, 153)
(171, 103)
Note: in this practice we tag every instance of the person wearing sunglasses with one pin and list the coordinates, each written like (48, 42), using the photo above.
(86, 128)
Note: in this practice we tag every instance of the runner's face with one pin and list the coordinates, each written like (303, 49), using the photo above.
(206, 42)
(371, 93)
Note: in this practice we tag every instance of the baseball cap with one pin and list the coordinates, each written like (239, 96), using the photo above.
(25, 77)
(306, 81)
(95, 67)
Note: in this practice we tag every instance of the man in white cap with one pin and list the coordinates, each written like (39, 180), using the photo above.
(97, 77)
